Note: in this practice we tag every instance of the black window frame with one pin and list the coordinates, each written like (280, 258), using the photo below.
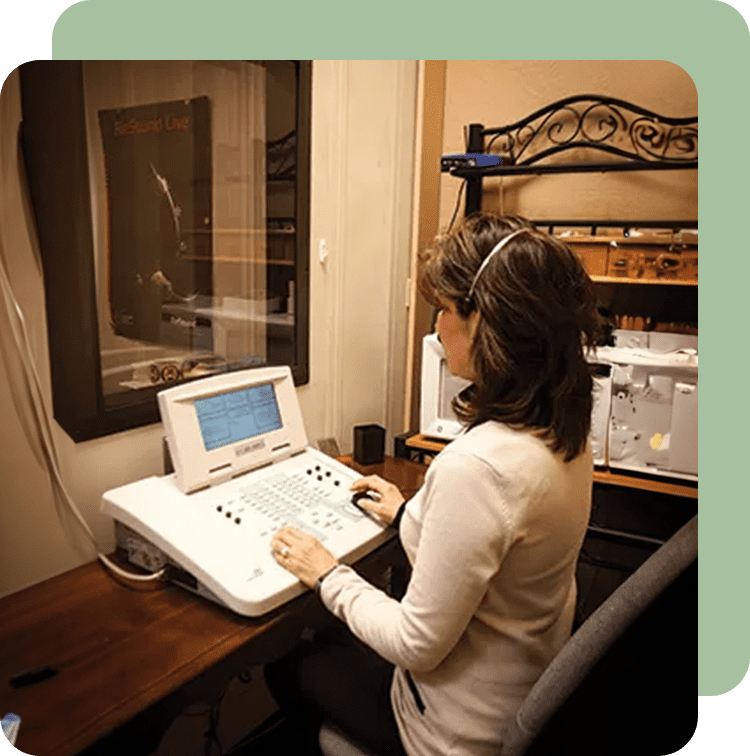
(54, 158)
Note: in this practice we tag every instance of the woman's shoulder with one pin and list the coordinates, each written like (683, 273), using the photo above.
(493, 438)
(503, 449)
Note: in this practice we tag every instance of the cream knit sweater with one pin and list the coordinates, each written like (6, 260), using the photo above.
(493, 538)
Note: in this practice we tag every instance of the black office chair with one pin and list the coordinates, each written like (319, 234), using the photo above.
(627, 680)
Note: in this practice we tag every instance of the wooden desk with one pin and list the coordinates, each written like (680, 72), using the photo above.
(118, 650)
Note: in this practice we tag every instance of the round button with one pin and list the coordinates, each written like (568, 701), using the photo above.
(219, 508)
(237, 520)
(229, 514)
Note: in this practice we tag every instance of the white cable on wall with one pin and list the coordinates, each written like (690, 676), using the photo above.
(41, 418)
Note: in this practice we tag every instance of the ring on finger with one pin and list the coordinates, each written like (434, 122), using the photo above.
(285, 552)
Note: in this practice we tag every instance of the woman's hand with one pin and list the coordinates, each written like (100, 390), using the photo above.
(390, 499)
(302, 554)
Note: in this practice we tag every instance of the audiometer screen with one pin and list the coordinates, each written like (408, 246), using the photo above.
(236, 415)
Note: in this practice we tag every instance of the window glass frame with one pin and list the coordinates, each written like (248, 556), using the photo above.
(53, 156)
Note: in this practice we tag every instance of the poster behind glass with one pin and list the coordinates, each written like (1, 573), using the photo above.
(197, 233)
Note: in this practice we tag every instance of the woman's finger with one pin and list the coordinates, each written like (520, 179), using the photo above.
(362, 484)
(290, 535)
(370, 483)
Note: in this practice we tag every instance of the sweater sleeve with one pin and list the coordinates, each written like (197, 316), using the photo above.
(465, 533)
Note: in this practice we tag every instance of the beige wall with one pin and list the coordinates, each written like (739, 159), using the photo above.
(362, 157)
(425, 209)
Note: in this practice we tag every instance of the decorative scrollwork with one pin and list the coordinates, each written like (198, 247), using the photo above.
(605, 118)
(605, 124)
(659, 141)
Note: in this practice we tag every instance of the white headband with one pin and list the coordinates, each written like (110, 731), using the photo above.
(496, 248)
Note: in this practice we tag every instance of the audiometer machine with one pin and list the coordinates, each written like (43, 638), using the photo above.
(243, 469)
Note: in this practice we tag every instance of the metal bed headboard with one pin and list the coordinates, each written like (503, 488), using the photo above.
(635, 139)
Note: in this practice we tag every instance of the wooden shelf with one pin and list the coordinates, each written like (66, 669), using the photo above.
(601, 475)
(424, 443)
(649, 281)
(659, 485)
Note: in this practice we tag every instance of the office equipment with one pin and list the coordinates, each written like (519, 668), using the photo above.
(645, 402)
(32, 676)
(602, 401)
(653, 418)
(468, 160)
(438, 388)
(243, 469)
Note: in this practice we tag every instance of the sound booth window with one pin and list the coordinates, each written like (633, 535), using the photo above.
(179, 246)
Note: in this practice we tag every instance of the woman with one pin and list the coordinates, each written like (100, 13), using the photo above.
(494, 534)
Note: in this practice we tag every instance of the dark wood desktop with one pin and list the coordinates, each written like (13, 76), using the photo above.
(113, 650)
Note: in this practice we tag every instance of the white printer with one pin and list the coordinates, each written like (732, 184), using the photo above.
(645, 416)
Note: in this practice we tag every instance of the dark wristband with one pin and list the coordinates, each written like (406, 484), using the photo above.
(321, 578)
(397, 519)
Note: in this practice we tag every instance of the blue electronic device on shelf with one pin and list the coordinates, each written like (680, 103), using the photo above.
(468, 160)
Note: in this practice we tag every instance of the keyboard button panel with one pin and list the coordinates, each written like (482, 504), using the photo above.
(311, 497)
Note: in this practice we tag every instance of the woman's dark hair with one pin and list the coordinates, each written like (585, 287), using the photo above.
(538, 317)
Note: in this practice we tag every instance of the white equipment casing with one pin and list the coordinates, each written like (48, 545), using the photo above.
(232, 563)
(211, 522)
(438, 388)
(652, 424)
(602, 399)
(194, 466)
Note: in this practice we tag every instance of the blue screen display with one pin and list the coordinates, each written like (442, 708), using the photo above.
(237, 415)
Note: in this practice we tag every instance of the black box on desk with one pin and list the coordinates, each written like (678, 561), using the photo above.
(369, 443)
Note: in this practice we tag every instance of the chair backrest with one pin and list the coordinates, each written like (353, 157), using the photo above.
(630, 667)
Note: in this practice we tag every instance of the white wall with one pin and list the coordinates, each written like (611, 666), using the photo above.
(362, 157)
